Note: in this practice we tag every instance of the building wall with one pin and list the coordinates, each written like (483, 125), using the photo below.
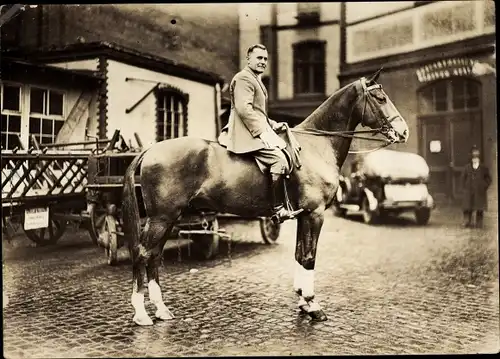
(254, 15)
(402, 85)
(124, 94)
(415, 28)
(286, 38)
(357, 11)
(251, 17)
(93, 123)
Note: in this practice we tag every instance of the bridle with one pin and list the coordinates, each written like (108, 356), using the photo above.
(382, 129)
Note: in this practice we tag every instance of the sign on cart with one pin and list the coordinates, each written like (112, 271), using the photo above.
(35, 218)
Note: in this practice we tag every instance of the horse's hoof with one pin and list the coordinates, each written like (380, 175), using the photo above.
(142, 320)
(318, 316)
(164, 314)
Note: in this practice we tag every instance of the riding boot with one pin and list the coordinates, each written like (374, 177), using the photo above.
(467, 219)
(280, 213)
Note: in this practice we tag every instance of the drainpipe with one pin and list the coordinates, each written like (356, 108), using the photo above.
(218, 105)
(274, 50)
(343, 39)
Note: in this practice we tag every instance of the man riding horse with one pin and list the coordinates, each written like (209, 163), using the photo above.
(251, 131)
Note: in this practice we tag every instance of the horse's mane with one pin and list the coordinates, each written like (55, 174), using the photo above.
(323, 116)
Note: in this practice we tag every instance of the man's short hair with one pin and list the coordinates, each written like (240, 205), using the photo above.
(256, 46)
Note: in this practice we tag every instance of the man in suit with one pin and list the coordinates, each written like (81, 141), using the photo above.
(475, 180)
(250, 130)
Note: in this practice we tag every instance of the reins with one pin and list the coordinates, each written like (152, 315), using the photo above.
(351, 134)
(346, 134)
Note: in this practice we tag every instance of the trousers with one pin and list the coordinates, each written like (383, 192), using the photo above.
(273, 159)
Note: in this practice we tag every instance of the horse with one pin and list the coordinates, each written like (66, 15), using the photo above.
(187, 173)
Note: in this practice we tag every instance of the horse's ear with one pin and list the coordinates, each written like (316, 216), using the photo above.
(375, 76)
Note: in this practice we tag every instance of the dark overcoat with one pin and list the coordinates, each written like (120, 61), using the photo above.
(475, 183)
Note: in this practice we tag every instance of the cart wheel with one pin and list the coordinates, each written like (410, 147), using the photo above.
(369, 216)
(97, 217)
(207, 245)
(269, 230)
(47, 236)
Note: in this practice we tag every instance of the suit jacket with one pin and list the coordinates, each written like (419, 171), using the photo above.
(248, 117)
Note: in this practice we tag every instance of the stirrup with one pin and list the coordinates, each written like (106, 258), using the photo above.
(281, 214)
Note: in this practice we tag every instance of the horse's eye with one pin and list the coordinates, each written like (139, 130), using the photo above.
(380, 98)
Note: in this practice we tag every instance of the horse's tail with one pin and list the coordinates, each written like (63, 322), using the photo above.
(131, 217)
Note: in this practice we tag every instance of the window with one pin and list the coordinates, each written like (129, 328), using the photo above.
(465, 94)
(308, 7)
(11, 116)
(46, 114)
(171, 114)
(455, 94)
(309, 68)
(308, 13)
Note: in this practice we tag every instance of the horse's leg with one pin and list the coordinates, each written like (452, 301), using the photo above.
(138, 271)
(308, 230)
(149, 250)
(157, 232)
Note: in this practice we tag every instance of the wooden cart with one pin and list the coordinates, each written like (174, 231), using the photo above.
(45, 189)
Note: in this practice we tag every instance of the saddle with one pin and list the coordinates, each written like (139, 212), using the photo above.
(291, 151)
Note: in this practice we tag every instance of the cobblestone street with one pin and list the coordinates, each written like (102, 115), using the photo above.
(395, 288)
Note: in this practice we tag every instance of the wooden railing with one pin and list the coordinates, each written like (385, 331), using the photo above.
(32, 175)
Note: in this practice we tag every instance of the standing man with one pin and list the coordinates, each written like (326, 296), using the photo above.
(250, 130)
(475, 180)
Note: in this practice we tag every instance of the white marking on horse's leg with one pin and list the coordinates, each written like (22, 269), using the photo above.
(141, 317)
(297, 279)
(155, 295)
(304, 279)
(302, 304)
(313, 306)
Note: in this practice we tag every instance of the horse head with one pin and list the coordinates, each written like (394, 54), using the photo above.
(376, 110)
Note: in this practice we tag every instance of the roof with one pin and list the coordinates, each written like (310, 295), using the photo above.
(80, 51)
(11, 67)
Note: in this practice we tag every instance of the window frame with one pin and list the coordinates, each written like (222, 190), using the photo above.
(8, 113)
(40, 136)
(450, 95)
(300, 48)
(182, 98)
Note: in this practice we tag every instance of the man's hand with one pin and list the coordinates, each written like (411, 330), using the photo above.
(271, 139)
(280, 127)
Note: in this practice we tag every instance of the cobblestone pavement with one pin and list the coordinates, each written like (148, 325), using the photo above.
(395, 288)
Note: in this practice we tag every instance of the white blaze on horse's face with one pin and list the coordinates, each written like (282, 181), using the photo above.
(385, 114)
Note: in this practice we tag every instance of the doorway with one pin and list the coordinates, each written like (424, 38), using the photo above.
(450, 123)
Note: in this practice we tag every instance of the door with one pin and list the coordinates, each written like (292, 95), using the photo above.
(449, 125)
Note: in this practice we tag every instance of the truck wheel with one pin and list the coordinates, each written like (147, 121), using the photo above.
(422, 216)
